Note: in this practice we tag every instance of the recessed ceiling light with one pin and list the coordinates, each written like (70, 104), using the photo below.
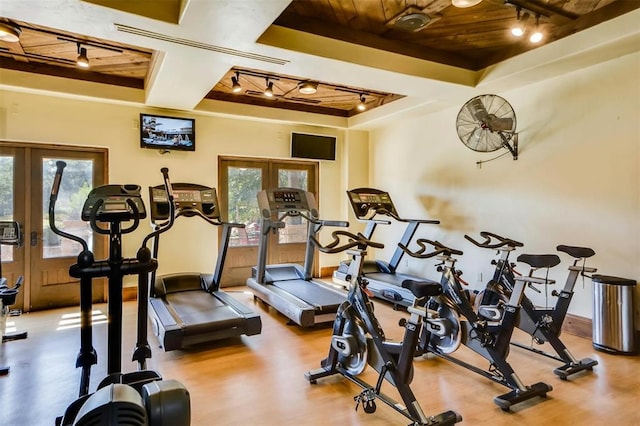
(465, 3)
(9, 32)
(308, 88)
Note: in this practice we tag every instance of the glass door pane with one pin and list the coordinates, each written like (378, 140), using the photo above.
(76, 184)
(6, 199)
(242, 207)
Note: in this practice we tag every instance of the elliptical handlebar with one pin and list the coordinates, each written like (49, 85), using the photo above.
(55, 189)
(355, 240)
(488, 236)
(165, 226)
(440, 249)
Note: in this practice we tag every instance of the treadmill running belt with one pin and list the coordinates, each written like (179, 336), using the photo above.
(200, 311)
(312, 293)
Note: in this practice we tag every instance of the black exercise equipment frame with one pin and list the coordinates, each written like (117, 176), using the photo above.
(394, 361)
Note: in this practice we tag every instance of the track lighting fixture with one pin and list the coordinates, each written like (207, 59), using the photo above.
(235, 83)
(464, 3)
(307, 88)
(536, 36)
(10, 32)
(268, 92)
(362, 105)
(82, 61)
(519, 28)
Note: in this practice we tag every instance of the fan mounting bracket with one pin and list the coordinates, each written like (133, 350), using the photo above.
(513, 148)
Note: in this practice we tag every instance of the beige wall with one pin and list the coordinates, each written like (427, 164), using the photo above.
(192, 246)
(576, 182)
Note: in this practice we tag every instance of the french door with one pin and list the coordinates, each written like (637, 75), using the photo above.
(240, 180)
(26, 176)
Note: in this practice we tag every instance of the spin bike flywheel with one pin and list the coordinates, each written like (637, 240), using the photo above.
(356, 361)
(450, 340)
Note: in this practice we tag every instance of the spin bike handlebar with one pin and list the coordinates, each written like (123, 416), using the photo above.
(488, 244)
(355, 240)
(439, 249)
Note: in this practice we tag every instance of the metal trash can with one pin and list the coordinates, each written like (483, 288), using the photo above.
(613, 314)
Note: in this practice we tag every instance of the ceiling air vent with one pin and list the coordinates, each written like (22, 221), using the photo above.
(410, 20)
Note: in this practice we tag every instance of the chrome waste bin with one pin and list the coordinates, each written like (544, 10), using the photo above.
(613, 314)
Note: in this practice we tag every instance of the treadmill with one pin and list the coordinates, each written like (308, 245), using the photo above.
(289, 288)
(189, 308)
(375, 207)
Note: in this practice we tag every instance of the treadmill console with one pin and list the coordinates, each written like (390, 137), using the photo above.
(284, 200)
(364, 200)
(189, 198)
(113, 203)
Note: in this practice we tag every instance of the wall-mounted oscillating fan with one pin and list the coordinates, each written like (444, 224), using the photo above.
(487, 123)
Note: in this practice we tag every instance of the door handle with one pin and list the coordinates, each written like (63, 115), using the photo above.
(34, 238)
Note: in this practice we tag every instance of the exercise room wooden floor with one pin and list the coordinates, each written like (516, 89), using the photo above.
(259, 380)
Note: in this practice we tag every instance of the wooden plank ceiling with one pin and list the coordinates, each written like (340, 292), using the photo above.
(471, 38)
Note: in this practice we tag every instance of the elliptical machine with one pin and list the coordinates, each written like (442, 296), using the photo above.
(10, 234)
(488, 338)
(137, 398)
(544, 324)
(358, 339)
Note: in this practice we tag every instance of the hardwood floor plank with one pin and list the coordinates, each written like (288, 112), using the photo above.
(260, 379)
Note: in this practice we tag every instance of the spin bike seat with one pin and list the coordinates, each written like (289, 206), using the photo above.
(539, 260)
(422, 288)
(577, 252)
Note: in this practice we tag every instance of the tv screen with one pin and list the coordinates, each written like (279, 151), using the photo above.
(316, 147)
(167, 133)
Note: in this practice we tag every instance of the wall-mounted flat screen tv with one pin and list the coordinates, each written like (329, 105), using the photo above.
(167, 133)
(316, 147)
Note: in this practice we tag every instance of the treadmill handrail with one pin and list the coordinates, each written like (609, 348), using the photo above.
(401, 219)
(190, 212)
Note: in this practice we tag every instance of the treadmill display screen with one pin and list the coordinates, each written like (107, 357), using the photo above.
(287, 197)
(367, 200)
(186, 196)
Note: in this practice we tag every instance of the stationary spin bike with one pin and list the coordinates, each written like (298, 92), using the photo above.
(488, 338)
(544, 324)
(358, 339)
(140, 397)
